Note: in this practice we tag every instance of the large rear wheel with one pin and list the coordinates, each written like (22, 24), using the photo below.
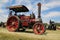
(13, 23)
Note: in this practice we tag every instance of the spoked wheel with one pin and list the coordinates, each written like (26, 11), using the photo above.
(13, 23)
(38, 28)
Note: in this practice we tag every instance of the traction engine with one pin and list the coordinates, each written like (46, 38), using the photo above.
(21, 22)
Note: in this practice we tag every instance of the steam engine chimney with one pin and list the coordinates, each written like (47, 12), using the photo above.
(39, 10)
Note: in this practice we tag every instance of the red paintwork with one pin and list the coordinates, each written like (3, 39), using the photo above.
(12, 23)
(26, 19)
(38, 28)
(15, 21)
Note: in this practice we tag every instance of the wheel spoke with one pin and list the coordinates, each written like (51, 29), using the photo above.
(38, 28)
(12, 23)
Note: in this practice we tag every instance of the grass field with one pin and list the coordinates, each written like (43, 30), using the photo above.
(29, 35)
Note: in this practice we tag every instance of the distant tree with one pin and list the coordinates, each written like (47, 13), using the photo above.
(45, 24)
(2, 24)
(57, 24)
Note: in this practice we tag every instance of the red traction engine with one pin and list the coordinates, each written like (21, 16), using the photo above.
(21, 22)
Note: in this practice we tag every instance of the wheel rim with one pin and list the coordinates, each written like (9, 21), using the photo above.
(12, 23)
(38, 28)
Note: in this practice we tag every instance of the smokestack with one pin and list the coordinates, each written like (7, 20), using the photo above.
(39, 10)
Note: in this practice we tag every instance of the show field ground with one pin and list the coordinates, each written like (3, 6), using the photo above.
(29, 35)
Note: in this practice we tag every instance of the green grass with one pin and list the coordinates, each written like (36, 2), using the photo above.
(48, 35)
(5, 36)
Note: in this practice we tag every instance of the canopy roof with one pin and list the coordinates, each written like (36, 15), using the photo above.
(19, 8)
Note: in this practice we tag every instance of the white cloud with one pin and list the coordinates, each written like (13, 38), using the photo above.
(3, 16)
(44, 7)
(49, 5)
(3, 12)
(32, 7)
(27, 3)
(53, 4)
(52, 14)
(4, 1)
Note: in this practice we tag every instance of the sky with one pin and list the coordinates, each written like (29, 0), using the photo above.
(50, 9)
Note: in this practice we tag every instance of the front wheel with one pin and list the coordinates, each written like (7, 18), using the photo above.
(38, 28)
